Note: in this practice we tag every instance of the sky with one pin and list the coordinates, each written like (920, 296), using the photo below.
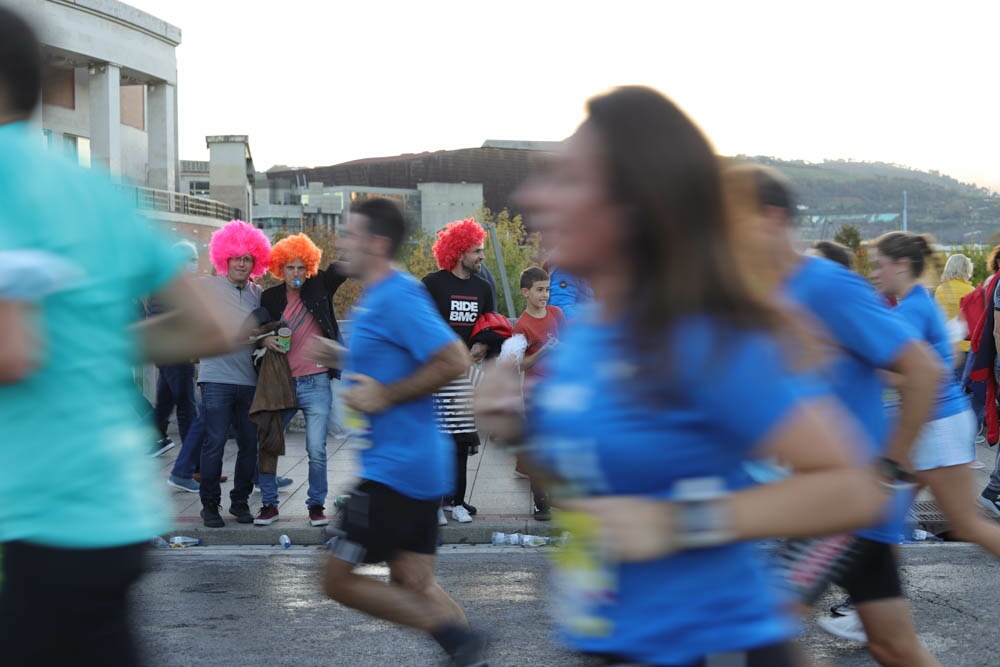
(316, 83)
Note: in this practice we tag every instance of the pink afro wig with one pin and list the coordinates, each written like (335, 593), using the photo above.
(295, 247)
(456, 238)
(235, 239)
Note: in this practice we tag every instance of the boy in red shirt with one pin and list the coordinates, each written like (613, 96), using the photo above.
(540, 324)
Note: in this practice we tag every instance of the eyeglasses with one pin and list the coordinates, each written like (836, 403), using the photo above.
(246, 259)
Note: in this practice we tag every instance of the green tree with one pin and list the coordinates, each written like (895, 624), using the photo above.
(850, 236)
(519, 250)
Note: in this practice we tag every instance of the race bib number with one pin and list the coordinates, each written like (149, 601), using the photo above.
(586, 581)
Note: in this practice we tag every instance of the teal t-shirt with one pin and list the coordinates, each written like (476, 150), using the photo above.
(72, 444)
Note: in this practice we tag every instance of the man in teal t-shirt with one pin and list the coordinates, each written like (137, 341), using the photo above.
(78, 498)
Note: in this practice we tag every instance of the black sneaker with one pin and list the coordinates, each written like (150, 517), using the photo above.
(472, 652)
(242, 512)
(161, 446)
(210, 515)
(843, 608)
(990, 500)
(542, 514)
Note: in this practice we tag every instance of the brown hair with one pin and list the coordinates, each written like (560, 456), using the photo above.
(835, 252)
(907, 245)
(993, 261)
(532, 275)
(663, 171)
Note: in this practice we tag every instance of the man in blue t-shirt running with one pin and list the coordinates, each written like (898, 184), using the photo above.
(401, 352)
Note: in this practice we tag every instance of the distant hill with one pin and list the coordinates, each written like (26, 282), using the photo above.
(870, 196)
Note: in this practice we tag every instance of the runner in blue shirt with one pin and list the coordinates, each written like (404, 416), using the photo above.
(401, 352)
(947, 442)
(866, 338)
(659, 395)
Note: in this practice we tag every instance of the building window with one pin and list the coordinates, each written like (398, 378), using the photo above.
(79, 148)
(59, 88)
(133, 106)
(199, 189)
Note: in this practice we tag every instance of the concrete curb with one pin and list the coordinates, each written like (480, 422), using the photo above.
(480, 531)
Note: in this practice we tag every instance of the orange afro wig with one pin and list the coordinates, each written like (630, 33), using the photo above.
(456, 238)
(295, 247)
(235, 239)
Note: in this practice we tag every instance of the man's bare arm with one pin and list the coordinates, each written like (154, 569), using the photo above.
(193, 327)
(919, 375)
(370, 396)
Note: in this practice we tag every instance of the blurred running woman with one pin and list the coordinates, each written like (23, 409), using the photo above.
(78, 510)
(634, 423)
(867, 338)
(945, 446)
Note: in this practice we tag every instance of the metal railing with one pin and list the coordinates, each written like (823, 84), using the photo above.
(149, 199)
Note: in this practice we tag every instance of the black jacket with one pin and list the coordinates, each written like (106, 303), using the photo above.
(317, 294)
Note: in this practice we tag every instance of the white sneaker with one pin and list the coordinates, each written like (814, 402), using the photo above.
(442, 519)
(847, 626)
(460, 514)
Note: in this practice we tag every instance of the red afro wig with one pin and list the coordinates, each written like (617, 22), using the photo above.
(295, 247)
(235, 239)
(456, 238)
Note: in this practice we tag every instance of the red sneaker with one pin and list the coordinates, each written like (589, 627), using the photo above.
(268, 514)
(316, 516)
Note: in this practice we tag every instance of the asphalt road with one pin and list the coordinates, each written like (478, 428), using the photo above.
(263, 606)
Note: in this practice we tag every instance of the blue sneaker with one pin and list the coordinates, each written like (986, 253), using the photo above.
(184, 484)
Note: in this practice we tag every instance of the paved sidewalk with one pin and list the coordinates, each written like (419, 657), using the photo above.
(503, 501)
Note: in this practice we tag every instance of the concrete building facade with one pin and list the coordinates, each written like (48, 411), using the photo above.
(282, 203)
(231, 173)
(110, 95)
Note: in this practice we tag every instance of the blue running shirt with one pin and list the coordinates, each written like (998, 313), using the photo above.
(867, 336)
(590, 426)
(924, 315)
(397, 329)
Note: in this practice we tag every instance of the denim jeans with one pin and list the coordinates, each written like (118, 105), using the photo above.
(312, 393)
(223, 404)
(190, 455)
(175, 387)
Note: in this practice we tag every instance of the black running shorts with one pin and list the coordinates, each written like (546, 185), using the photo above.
(873, 573)
(379, 522)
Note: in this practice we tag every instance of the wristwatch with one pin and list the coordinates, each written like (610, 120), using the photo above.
(701, 523)
(701, 515)
(898, 477)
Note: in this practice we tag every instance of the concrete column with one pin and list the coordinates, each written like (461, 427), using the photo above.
(162, 138)
(105, 118)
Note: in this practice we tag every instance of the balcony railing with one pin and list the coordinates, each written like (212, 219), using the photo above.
(148, 199)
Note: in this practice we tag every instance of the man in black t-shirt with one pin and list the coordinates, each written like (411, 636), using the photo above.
(461, 297)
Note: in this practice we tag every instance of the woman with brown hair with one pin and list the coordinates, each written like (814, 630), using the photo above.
(662, 390)
(945, 447)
